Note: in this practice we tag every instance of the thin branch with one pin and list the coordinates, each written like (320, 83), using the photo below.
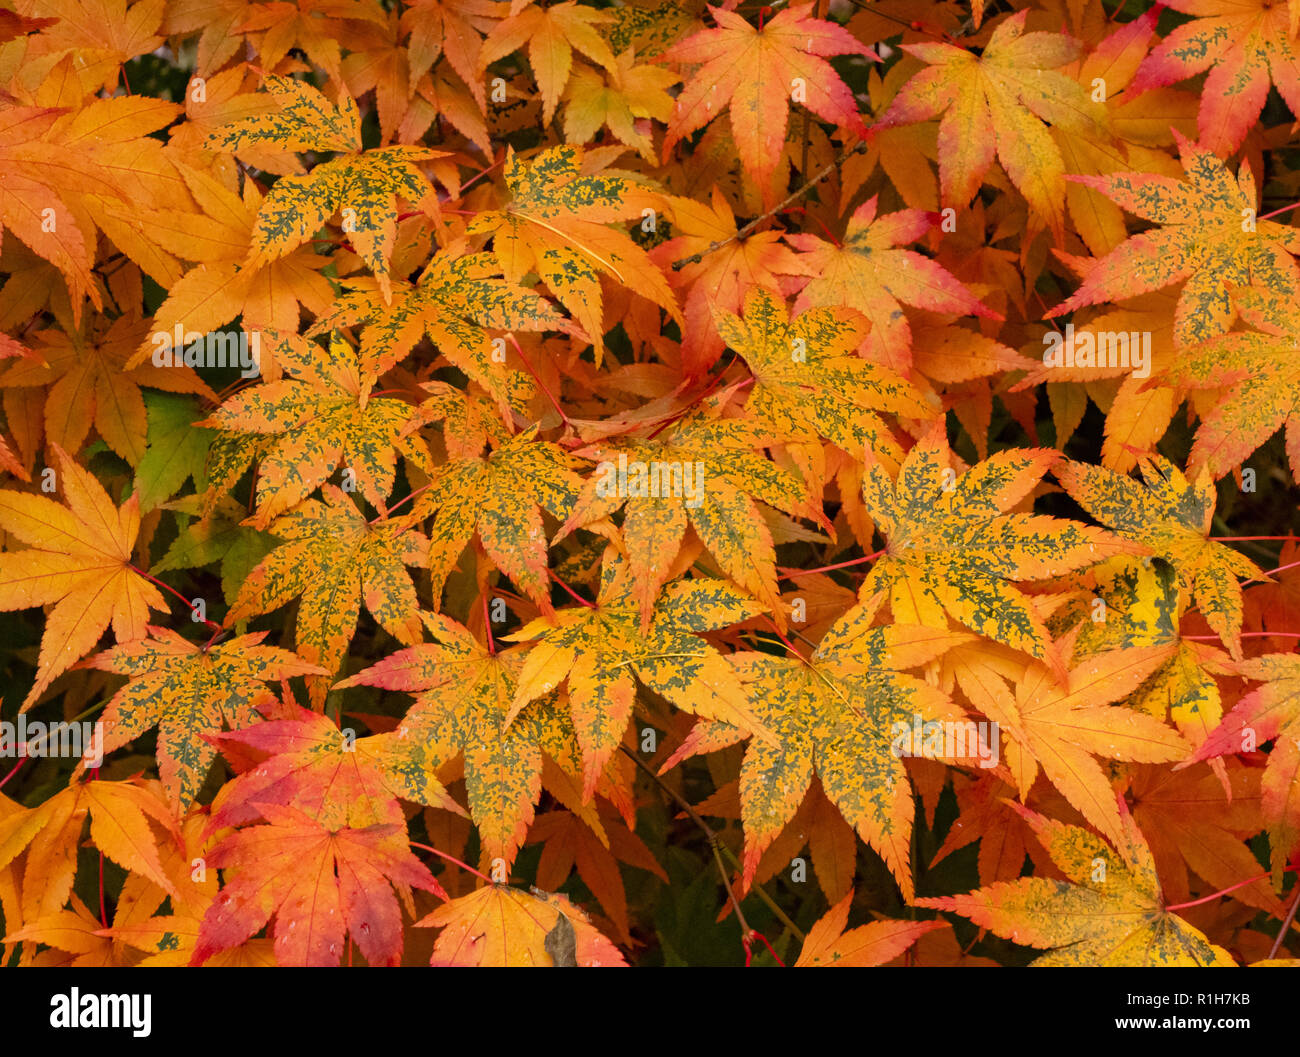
(719, 849)
(37, 741)
(695, 258)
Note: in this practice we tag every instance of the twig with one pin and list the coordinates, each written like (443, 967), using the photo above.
(695, 258)
(807, 118)
(719, 849)
(40, 738)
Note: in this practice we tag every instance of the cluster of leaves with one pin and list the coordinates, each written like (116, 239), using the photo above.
(648, 465)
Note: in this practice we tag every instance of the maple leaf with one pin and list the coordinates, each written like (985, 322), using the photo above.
(556, 224)
(1141, 409)
(103, 33)
(175, 452)
(1256, 372)
(1110, 911)
(568, 841)
(1268, 713)
(650, 26)
(867, 272)
(464, 696)
(601, 648)
(1208, 237)
(755, 73)
(277, 28)
(817, 825)
(335, 560)
(89, 384)
(722, 457)
(320, 884)
(903, 153)
(454, 28)
(1061, 726)
(304, 760)
(950, 547)
(1171, 516)
(1141, 604)
(836, 715)
(220, 538)
(188, 692)
(111, 139)
(722, 277)
(321, 417)
(124, 820)
(221, 287)
(1197, 821)
(996, 102)
(551, 34)
(953, 355)
(828, 945)
(1249, 43)
(107, 142)
(363, 185)
(469, 422)
(455, 302)
(1140, 127)
(502, 926)
(807, 374)
(988, 815)
(500, 498)
(78, 561)
(74, 932)
(37, 170)
(378, 61)
(138, 928)
(167, 936)
(1105, 660)
(626, 94)
(216, 25)
(231, 95)
(13, 25)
